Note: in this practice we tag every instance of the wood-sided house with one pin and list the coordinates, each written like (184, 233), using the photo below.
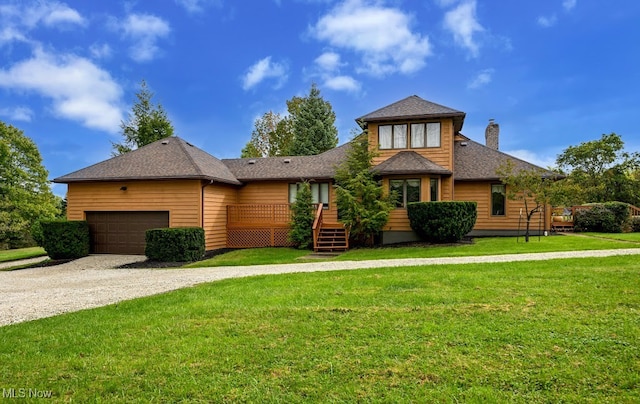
(422, 155)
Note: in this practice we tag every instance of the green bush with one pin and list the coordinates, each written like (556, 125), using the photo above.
(63, 239)
(635, 224)
(302, 217)
(441, 222)
(601, 218)
(178, 244)
(621, 213)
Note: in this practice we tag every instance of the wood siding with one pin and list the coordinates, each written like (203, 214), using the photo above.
(216, 199)
(398, 219)
(442, 155)
(480, 192)
(180, 198)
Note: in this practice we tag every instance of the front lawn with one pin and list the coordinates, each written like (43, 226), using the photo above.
(554, 331)
(21, 253)
(479, 246)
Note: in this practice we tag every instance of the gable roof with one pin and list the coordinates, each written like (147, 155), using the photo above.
(473, 161)
(409, 162)
(169, 158)
(413, 107)
(321, 166)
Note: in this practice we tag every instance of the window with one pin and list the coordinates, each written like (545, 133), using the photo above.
(425, 135)
(392, 136)
(319, 193)
(433, 189)
(406, 191)
(498, 199)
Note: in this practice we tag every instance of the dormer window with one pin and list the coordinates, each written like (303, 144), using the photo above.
(398, 137)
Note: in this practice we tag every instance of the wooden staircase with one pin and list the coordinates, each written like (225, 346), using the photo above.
(331, 238)
(328, 237)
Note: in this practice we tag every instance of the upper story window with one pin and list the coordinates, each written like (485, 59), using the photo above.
(319, 193)
(406, 191)
(398, 136)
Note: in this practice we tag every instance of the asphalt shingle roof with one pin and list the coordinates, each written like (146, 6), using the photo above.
(409, 162)
(413, 107)
(170, 158)
(475, 161)
(288, 168)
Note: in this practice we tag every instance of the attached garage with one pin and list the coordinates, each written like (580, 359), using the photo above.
(122, 232)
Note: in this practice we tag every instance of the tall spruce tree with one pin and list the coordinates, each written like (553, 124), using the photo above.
(314, 126)
(145, 124)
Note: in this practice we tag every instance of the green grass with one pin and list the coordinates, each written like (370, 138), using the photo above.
(554, 331)
(21, 253)
(632, 237)
(480, 246)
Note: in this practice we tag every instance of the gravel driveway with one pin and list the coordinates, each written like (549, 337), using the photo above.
(29, 294)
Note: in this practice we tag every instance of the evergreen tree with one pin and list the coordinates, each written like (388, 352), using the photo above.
(25, 194)
(146, 124)
(363, 206)
(314, 126)
(301, 234)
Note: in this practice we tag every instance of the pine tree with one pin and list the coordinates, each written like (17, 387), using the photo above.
(314, 126)
(301, 234)
(146, 124)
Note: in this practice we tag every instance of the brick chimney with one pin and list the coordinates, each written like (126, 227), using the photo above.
(491, 134)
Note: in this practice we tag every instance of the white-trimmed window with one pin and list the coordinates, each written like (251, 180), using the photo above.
(406, 191)
(425, 135)
(319, 192)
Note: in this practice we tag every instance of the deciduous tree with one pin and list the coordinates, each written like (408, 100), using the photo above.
(25, 194)
(145, 124)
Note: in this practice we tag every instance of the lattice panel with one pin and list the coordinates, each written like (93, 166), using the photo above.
(281, 238)
(245, 238)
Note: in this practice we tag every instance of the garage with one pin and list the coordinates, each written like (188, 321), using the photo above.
(122, 232)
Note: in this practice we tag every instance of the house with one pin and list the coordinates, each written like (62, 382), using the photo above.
(422, 155)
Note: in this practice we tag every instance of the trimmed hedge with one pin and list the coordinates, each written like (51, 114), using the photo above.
(442, 222)
(64, 239)
(178, 244)
(609, 217)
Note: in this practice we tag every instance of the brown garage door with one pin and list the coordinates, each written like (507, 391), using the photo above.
(122, 232)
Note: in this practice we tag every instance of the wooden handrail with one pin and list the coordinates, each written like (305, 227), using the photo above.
(634, 210)
(317, 225)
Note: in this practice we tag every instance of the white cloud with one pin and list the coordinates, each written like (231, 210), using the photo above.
(380, 35)
(569, 5)
(144, 30)
(342, 83)
(79, 90)
(533, 157)
(463, 24)
(100, 51)
(547, 22)
(483, 78)
(328, 61)
(62, 14)
(197, 6)
(262, 70)
(17, 113)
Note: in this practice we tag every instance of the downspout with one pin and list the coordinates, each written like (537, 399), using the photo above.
(202, 202)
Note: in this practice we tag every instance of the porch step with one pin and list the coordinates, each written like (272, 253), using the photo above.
(332, 239)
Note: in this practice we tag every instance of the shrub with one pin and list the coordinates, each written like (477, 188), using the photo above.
(63, 239)
(621, 213)
(635, 224)
(599, 219)
(442, 221)
(178, 244)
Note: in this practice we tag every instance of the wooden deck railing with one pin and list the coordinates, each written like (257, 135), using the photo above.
(635, 211)
(317, 225)
(242, 215)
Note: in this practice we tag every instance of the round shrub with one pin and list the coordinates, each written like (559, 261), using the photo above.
(63, 239)
(597, 219)
(442, 222)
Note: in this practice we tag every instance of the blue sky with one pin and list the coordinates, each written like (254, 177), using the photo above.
(553, 73)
